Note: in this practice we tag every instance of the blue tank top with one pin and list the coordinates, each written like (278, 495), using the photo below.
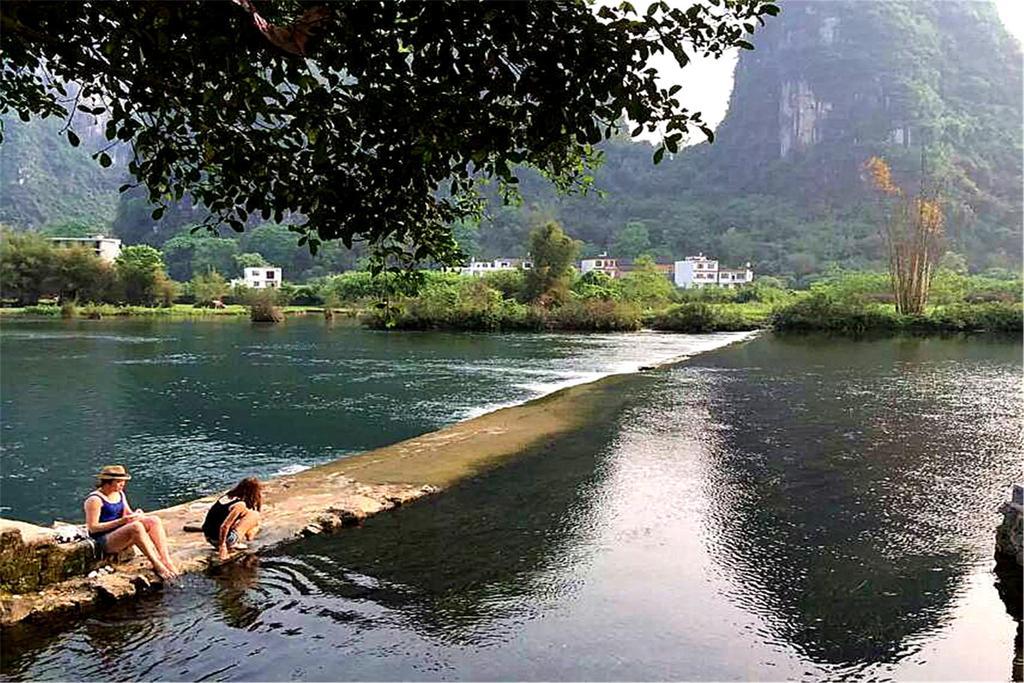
(108, 511)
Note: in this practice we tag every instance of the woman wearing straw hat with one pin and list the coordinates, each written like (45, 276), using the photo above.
(115, 526)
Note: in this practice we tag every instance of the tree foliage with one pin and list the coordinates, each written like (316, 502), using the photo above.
(27, 265)
(361, 121)
(553, 253)
(141, 271)
(208, 287)
(913, 228)
(646, 285)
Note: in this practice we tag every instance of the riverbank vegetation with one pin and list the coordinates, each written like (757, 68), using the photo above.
(37, 278)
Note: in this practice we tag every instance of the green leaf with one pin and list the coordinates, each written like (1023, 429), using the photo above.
(73, 138)
(659, 154)
(105, 160)
(158, 213)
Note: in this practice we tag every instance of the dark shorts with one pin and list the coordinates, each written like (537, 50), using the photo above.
(231, 539)
(101, 543)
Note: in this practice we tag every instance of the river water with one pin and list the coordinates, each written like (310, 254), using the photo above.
(779, 508)
(191, 407)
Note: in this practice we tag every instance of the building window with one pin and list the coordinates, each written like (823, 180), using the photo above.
(270, 275)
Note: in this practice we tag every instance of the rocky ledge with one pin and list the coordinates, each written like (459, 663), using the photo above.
(323, 499)
(1010, 533)
(41, 576)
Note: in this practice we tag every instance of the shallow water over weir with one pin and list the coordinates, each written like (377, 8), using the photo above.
(784, 508)
(191, 407)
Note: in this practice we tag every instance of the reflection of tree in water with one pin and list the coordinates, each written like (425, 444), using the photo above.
(490, 548)
(855, 484)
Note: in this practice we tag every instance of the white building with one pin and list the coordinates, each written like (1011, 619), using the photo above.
(700, 271)
(107, 248)
(478, 268)
(602, 263)
(263, 277)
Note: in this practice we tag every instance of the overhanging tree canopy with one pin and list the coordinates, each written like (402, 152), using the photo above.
(362, 120)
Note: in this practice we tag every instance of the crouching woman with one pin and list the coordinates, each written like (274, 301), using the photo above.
(114, 526)
(235, 517)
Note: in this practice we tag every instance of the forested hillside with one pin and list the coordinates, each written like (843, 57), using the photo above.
(45, 181)
(829, 85)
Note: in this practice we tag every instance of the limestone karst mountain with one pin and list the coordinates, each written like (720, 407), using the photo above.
(830, 84)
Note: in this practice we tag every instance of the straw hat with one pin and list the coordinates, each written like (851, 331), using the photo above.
(114, 472)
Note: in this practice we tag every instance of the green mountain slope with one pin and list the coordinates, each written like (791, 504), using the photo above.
(44, 180)
(829, 85)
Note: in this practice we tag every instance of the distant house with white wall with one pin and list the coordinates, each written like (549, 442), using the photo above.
(262, 277)
(700, 271)
(478, 268)
(619, 267)
(602, 264)
(107, 248)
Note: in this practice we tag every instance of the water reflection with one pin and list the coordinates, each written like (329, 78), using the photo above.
(777, 510)
(1009, 586)
(851, 503)
(485, 552)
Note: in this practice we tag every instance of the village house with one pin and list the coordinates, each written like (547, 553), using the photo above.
(700, 271)
(478, 268)
(616, 268)
(107, 248)
(602, 264)
(262, 277)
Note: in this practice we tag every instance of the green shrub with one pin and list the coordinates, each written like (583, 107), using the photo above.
(354, 287)
(986, 317)
(305, 295)
(263, 306)
(208, 287)
(42, 309)
(703, 317)
(597, 315)
(823, 310)
(509, 283)
(705, 295)
(689, 317)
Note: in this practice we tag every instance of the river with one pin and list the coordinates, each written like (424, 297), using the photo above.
(779, 508)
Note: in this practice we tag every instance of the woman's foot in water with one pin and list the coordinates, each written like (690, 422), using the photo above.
(169, 563)
(164, 573)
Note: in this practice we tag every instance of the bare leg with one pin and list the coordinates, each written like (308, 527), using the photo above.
(157, 534)
(135, 534)
(248, 525)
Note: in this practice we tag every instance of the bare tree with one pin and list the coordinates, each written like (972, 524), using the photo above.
(914, 236)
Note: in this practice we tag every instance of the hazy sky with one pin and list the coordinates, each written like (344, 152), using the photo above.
(707, 83)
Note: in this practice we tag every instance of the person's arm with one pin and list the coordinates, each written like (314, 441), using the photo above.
(236, 511)
(128, 512)
(92, 518)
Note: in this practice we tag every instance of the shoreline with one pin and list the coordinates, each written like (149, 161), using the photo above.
(331, 496)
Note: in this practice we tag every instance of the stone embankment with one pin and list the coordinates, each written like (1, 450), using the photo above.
(1010, 533)
(40, 577)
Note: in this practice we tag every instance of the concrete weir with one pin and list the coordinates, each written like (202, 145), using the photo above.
(40, 577)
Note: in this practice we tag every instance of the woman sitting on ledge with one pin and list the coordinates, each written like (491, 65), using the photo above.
(114, 526)
(234, 517)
